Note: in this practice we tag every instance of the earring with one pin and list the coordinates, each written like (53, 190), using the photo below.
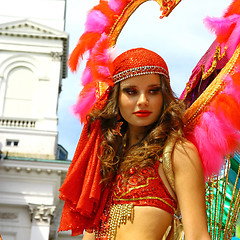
(117, 130)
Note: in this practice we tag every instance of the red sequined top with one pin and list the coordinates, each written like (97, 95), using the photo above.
(144, 188)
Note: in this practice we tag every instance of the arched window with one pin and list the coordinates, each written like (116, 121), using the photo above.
(20, 90)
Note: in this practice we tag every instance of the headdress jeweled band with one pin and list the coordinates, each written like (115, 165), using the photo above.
(138, 71)
(137, 62)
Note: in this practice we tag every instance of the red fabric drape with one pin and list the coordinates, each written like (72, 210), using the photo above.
(82, 191)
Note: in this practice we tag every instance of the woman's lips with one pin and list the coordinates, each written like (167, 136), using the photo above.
(142, 113)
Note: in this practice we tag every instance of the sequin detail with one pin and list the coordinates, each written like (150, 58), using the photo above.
(138, 61)
(117, 214)
(143, 188)
(138, 72)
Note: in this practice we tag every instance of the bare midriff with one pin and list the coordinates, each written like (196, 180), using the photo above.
(149, 223)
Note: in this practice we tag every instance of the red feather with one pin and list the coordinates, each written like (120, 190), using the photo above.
(105, 9)
(236, 79)
(234, 8)
(86, 42)
(223, 37)
(227, 105)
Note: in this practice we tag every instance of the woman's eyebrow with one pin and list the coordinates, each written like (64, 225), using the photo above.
(155, 85)
(128, 86)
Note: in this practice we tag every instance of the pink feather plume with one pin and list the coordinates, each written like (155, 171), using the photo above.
(214, 137)
(101, 60)
(220, 25)
(85, 102)
(117, 5)
(96, 22)
(86, 76)
(227, 30)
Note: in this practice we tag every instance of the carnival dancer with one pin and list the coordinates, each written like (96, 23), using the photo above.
(133, 168)
(148, 169)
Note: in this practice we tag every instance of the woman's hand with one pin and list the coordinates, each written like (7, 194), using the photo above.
(190, 190)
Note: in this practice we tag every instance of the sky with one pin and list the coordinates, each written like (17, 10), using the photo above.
(181, 39)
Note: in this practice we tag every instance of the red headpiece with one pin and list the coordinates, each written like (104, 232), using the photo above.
(138, 61)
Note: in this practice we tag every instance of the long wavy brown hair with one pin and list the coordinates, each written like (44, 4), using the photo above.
(147, 151)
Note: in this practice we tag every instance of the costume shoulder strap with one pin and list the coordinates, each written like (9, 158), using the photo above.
(176, 231)
(167, 160)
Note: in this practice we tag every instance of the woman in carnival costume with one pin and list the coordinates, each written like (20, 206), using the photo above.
(133, 168)
(140, 119)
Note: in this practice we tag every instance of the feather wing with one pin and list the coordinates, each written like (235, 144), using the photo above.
(212, 119)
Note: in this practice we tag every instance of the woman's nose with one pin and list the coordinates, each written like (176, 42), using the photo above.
(142, 100)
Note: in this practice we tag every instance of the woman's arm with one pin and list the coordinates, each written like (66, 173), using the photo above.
(190, 190)
(89, 236)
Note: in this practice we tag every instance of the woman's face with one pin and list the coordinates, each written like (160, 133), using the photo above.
(141, 100)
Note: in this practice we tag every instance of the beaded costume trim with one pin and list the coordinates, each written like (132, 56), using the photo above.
(118, 214)
(138, 71)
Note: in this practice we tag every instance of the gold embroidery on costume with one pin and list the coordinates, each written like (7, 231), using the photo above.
(146, 198)
(167, 160)
(134, 188)
(217, 57)
(218, 84)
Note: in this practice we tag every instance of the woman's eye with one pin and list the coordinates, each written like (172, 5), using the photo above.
(130, 91)
(155, 90)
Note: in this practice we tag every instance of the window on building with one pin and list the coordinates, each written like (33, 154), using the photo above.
(12, 142)
(20, 91)
(62, 153)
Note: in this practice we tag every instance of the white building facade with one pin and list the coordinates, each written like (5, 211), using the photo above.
(33, 56)
(32, 64)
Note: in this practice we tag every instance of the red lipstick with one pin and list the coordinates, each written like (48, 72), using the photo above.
(142, 113)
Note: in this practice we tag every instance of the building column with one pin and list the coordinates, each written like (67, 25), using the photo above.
(2, 93)
(41, 216)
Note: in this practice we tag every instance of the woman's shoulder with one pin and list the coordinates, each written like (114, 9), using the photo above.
(185, 146)
(185, 155)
